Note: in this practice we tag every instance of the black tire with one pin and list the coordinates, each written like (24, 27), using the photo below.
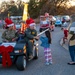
(36, 53)
(21, 63)
(60, 25)
(55, 25)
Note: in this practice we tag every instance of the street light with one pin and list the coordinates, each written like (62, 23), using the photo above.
(25, 11)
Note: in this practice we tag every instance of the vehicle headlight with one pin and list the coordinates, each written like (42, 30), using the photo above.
(17, 51)
(37, 44)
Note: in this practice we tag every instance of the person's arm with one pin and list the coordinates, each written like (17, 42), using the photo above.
(35, 35)
(4, 36)
(16, 36)
(50, 38)
(69, 36)
(28, 34)
(31, 36)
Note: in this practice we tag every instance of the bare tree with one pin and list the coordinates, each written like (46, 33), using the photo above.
(53, 6)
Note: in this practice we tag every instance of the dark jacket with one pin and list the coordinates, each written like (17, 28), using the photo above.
(30, 34)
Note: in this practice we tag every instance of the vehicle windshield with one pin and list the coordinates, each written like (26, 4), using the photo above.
(16, 19)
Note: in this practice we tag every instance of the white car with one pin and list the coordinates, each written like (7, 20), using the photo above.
(65, 18)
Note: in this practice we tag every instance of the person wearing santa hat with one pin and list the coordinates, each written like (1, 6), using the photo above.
(9, 35)
(30, 35)
(28, 21)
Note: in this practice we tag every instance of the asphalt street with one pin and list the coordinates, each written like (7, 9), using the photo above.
(60, 58)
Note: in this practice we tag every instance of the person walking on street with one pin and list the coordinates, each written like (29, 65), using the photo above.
(65, 31)
(71, 39)
(46, 41)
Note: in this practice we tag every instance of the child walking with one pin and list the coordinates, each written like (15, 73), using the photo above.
(46, 41)
(65, 30)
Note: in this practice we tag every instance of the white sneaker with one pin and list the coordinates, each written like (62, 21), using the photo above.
(50, 62)
(47, 63)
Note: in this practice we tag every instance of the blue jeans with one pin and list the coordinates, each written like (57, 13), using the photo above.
(72, 52)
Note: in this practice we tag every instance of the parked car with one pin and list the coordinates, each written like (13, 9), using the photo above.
(58, 23)
(65, 18)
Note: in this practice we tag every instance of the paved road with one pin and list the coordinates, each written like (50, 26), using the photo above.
(38, 67)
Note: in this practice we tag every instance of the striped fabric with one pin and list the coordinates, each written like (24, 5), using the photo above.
(48, 55)
(45, 26)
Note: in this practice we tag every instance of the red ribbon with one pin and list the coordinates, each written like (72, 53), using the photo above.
(5, 55)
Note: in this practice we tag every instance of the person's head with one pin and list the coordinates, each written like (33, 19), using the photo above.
(41, 17)
(9, 24)
(48, 35)
(32, 26)
(46, 15)
(10, 28)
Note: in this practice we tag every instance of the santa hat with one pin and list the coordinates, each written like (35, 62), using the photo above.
(31, 22)
(9, 22)
(46, 14)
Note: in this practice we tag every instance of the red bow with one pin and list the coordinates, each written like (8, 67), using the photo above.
(5, 55)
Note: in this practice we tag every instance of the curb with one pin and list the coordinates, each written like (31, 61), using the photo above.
(64, 46)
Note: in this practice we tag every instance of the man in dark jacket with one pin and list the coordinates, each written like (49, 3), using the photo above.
(30, 35)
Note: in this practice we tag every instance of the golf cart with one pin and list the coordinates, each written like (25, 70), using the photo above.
(19, 55)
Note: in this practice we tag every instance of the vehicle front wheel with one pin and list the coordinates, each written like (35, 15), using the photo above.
(55, 25)
(21, 63)
(60, 25)
(36, 53)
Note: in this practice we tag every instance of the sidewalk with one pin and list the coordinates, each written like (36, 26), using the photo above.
(64, 45)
